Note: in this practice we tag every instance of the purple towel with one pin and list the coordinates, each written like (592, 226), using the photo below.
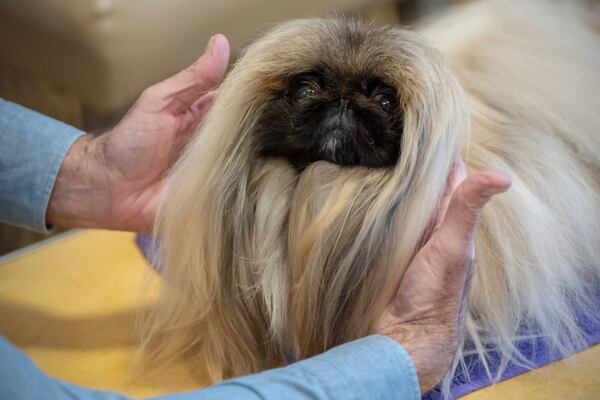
(146, 245)
(535, 351)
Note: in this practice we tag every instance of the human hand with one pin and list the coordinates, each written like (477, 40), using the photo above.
(114, 181)
(428, 313)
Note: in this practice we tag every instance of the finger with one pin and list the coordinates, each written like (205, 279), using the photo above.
(449, 254)
(466, 205)
(456, 177)
(201, 106)
(184, 88)
(443, 266)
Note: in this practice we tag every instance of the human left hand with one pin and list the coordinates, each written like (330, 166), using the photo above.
(428, 312)
(114, 181)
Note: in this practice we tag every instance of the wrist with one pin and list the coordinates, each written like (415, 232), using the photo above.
(429, 352)
(76, 199)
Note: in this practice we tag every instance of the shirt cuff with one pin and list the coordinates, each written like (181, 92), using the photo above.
(32, 149)
(373, 368)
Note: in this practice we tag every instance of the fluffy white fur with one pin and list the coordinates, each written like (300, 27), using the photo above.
(265, 264)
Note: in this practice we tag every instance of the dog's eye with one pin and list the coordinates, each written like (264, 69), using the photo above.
(385, 102)
(304, 89)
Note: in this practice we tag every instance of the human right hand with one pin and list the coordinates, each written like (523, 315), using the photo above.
(115, 181)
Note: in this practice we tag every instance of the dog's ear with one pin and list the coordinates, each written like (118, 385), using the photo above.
(220, 303)
(206, 230)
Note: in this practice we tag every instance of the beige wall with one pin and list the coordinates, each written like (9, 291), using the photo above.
(104, 52)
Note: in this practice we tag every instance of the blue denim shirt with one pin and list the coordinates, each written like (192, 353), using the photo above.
(32, 148)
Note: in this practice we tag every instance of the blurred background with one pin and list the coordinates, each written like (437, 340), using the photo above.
(85, 61)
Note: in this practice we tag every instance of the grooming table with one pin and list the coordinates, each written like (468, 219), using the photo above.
(70, 304)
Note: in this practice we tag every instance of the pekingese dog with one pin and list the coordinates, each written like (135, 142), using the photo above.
(291, 217)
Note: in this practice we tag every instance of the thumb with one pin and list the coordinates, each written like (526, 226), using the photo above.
(466, 204)
(184, 88)
(441, 267)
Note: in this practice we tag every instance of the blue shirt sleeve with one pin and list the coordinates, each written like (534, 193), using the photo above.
(32, 148)
(372, 368)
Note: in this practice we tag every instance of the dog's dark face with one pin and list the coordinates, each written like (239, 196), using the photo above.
(324, 114)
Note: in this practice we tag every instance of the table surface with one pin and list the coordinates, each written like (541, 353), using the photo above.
(71, 305)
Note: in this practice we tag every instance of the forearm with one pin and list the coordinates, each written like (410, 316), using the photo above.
(32, 150)
(78, 197)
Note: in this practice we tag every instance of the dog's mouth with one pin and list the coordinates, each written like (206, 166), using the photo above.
(335, 145)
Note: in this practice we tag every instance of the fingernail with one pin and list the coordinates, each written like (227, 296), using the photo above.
(460, 168)
(209, 45)
(210, 96)
(205, 100)
(217, 44)
(503, 182)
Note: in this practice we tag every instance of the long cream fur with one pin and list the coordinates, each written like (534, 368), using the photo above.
(264, 264)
